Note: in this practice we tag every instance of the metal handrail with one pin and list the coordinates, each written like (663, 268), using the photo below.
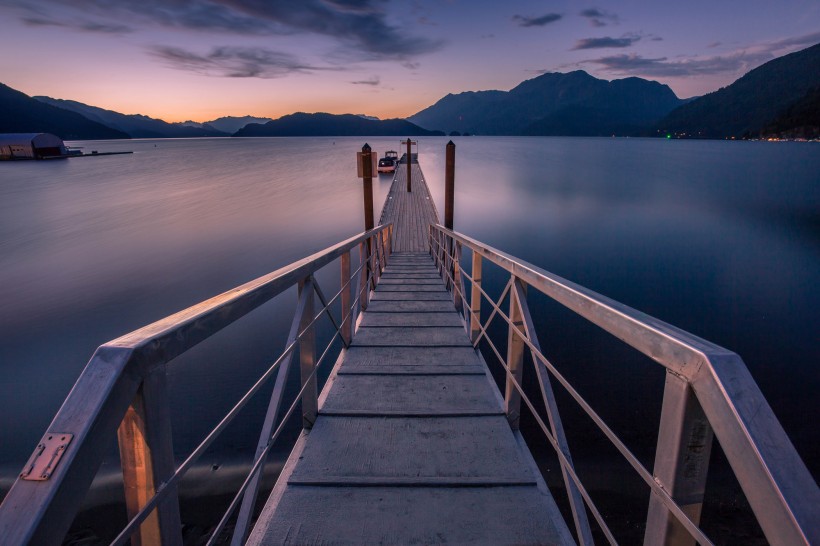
(704, 383)
(123, 386)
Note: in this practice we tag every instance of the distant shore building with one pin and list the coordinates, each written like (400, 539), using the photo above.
(31, 146)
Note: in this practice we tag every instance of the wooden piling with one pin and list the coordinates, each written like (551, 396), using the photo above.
(409, 163)
(449, 184)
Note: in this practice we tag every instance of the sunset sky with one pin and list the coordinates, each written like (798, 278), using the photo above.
(180, 60)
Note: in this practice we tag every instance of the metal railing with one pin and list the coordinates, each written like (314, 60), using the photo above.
(123, 391)
(708, 391)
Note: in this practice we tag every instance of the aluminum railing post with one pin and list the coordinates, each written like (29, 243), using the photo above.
(457, 286)
(347, 299)
(475, 298)
(147, 459)
(515, 362)
(681, 463)
(364, 291)
(307, 358)
(576, 501)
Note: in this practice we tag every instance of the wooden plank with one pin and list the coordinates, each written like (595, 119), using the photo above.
(424, 394)
(412, 296)
(410, 288)
(411, 360)
(370, 320)
(450, 447)
(440, 336)
(385, 280)
(422, 515)
(410, 306)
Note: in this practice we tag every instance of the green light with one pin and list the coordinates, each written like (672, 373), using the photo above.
(668, 135)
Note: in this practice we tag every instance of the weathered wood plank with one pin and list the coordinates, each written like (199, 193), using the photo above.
(412, 296)
(411, 360)
(411, 306)
(409, 281)
(410, 288)
(424, 394)
(410, 319)
(449, 447)
(423, 515)
(439, 336)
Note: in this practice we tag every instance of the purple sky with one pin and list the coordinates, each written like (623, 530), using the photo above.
(181, 60)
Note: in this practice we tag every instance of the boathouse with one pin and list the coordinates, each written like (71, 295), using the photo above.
(30, 146)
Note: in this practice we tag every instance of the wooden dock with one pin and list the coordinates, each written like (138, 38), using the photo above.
(410, 212)
(411, 444)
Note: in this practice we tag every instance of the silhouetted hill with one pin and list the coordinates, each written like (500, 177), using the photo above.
(231, 124)
(545, 106)
(23, 114)
(800, 120)
(750, 103)
(136, 125)
(301, 124)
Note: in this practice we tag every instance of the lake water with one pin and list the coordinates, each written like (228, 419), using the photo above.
(718, 238)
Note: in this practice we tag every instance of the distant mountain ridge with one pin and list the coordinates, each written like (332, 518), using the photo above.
(747, 106)
(135, 125)
(228, 124)
(23, 114)
(554, 104)
(322, 124)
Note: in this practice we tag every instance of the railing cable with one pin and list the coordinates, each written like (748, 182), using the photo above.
(164, 488)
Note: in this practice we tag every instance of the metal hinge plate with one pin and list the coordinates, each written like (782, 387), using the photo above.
(48, 453)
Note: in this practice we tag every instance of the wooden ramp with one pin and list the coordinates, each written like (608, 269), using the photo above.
(411, 444)
(409, 212)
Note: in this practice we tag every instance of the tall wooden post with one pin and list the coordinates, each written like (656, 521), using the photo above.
(449, 184)
(367, 174)
(409, 162)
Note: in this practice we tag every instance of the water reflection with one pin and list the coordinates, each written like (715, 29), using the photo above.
(717, 238)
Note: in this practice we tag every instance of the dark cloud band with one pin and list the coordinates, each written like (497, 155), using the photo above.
(544, 20)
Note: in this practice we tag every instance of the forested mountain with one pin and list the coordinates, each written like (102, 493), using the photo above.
(23, 114)
(301, 124)
(554, 104)
(136, 125)
(752, 102)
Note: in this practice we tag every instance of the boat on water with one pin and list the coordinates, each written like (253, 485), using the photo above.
(388, 163)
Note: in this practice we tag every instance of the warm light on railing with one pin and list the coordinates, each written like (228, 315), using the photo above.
(707, 387)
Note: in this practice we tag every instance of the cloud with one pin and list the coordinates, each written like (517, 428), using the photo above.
(234, 62)
(374, 81)
(664, 67)
(607, 42)
(598, 17)
(544, 20)
(357, 25)
(85, 26)
(735, 62)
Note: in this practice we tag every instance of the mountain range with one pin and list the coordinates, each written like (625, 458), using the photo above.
(751, 103)
(23, 114)
(779, 97)
(135, 125)
(554, 104)
(301, 124)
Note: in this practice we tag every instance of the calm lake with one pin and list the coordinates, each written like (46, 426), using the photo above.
(719, 238)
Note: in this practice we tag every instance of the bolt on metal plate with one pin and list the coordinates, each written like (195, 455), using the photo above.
(47, 454)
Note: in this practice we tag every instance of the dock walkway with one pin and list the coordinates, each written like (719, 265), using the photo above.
(411, 444)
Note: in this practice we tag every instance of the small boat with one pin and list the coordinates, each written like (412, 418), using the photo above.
(388, 163)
